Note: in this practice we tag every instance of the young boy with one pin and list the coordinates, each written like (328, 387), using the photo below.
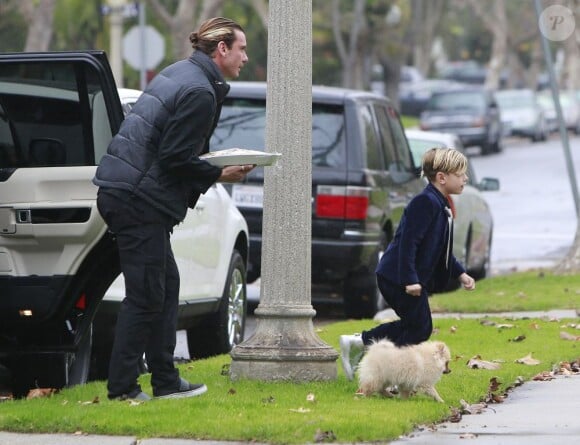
(418, 261)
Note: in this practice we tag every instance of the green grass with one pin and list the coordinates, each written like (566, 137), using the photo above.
(409, 121)
(524, 291)
(278, 412)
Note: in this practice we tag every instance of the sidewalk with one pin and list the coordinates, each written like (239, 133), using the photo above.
(536, 413)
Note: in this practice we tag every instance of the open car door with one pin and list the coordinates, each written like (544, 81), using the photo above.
(58, 112)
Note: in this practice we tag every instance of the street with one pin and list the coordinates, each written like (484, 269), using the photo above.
(534, 212)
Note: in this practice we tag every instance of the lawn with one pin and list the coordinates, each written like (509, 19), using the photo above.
(294, 412)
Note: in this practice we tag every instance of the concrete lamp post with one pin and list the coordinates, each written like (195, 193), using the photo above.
(284, 345)
(116, 23)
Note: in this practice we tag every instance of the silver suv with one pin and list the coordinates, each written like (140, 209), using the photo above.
(58, 112)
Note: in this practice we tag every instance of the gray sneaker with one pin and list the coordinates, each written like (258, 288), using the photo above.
(186, 389)
(138, 395)
(351, 351)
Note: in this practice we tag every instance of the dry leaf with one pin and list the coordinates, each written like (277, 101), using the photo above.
(468, 436)
(310, 398)
(528, 360)
(41, 392)
(505, 326)
(300, 410)
(543, 376)
(453, 329)
(494, 384)
(518, 338)
(90, 402)
(477, 363)
(455, 416)
(567, 336)
(231, 391)
(476, 408)
(487, 323)
(534, 326)
(324, 436)
(133, 402)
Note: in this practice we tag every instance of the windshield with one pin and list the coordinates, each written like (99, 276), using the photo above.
(242, 124)
(457, 100)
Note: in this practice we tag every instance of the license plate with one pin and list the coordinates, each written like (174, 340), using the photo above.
(248, 196)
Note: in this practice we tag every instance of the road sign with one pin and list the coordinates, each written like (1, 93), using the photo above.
(154, 47)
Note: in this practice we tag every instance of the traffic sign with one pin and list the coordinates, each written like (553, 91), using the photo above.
(153, 47)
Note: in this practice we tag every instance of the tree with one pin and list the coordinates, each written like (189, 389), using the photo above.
(425, 22)
(181, 23)
(39, 14)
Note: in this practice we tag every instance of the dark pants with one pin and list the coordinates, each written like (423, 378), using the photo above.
(147, 319)
(414, 325)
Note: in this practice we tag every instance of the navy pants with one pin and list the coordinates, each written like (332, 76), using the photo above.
(147, 320)
(414, 325)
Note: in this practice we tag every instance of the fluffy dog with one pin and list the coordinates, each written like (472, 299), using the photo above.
(413, 368)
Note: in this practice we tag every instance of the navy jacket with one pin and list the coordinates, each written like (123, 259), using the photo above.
(418, 252)
(155, 155)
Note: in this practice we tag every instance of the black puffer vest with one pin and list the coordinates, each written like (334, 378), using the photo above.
(132, 162)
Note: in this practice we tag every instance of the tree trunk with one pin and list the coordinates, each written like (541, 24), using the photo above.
(39, 14)
(571, 262)
(181, 24)
(570, 78)
(425, 20)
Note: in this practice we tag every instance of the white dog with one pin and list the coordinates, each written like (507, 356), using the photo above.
(413, 368)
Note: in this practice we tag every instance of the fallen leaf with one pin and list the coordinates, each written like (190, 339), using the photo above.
(468, 436)
(528, 360)
(543, 376)
(300, 410)
(231, 391)
(270, 399)
(487, 323)
(311, 398)
(324, 436)
(505, 326)
(477, 363)
(453, 329)
(567, 336)
(91, 402)
(494, 384)
(41, 392)
(534, 326)
(476, 408)
(133, 402)
(455, 416)
(518, 338)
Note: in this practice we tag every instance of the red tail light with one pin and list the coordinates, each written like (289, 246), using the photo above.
(340, 202)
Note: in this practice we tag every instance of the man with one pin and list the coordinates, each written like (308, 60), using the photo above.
(149, 177)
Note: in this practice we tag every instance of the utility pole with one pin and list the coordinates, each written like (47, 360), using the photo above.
(284, 345)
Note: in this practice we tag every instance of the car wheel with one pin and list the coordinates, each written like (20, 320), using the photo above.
(221, 331)
(483, 270)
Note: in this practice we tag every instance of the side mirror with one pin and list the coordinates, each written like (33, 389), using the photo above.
(488, 185)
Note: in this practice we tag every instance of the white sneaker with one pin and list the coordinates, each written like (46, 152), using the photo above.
(351, 352)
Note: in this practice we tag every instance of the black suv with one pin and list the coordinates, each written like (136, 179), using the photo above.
(471, 113)
(362, 178)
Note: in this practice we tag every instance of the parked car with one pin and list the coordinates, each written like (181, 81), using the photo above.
(570, 106)
(522, 114)
(413, 97)
(473, 225)
(470, 113)
(58, 112)
(362, 177)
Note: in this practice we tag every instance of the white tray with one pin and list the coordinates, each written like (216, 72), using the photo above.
(240, 156)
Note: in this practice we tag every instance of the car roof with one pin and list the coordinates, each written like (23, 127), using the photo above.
(448, 139)
(323, 93)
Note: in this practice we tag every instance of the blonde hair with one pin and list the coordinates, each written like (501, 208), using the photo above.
(213, 31)
(445, 160)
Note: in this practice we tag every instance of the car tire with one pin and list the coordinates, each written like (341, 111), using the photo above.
(483, 271)
(221, 331)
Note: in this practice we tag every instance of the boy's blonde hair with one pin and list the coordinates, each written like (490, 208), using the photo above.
(445, 160)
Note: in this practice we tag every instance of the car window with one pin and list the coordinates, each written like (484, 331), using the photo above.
(457, 100)
(47, 120)
(371, 139)
(388, 143)
(404, 160)
(243, 124)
